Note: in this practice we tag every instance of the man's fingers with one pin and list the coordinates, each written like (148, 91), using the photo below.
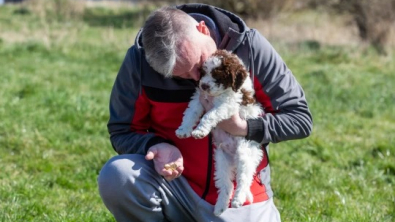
(174, 174)
(151, 154)
(180, 169)
(169, 175)
(169, 172)
(168, 178)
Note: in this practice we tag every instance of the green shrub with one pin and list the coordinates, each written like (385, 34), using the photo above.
(248, 8)
(374, 19)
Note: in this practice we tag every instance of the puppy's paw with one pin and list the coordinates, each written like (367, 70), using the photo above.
(200, 133)
(219, 209)
(236, 203)
(241, 197)
(182, 132)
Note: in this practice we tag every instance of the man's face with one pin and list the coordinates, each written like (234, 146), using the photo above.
(193, 58)
(194, 52)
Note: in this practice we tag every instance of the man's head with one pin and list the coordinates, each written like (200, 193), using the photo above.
(175, 44)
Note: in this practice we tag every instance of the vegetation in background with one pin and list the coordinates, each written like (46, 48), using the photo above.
(53, 9)
(374, 19)
(56, 76)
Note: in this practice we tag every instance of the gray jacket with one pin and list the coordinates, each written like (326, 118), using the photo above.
(146, 108)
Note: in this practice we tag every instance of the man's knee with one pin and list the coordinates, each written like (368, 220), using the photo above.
(118, 176)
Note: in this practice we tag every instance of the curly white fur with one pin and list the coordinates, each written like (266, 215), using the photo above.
(236, 158)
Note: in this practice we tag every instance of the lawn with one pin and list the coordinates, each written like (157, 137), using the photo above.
(56, 77)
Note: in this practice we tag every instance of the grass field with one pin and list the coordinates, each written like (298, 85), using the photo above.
(56, 76)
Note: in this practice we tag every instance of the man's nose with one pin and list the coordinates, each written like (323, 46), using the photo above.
(204, 86)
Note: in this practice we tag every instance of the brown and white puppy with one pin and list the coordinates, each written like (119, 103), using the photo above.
(226, 80)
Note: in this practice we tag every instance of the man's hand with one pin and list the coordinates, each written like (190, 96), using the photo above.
(235, 125)
(167, 159)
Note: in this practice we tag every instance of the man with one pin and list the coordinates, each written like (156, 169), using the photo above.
(149, 96)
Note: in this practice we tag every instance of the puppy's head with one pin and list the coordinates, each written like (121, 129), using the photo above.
(222, 71)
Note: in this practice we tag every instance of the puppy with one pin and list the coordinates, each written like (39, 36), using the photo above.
(227, 82)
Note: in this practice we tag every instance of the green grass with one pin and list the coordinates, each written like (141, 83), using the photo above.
(346, 170)
(56, 78)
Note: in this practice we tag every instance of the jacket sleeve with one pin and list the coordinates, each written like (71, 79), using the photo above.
(289, 116)
(129, 110)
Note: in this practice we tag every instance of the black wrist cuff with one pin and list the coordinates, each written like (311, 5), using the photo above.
(255, 130)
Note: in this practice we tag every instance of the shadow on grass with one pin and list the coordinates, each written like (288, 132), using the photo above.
(130, 18)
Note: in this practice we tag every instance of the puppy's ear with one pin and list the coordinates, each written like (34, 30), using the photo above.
(238, 78)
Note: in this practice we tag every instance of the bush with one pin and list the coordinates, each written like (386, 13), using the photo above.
(374, 19)
(263, 9)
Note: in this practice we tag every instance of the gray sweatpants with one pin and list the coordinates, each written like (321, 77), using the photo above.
(133, 191)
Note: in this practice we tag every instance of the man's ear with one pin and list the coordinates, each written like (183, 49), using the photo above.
(202, 27)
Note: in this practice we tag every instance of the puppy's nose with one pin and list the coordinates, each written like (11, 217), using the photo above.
(204, 86)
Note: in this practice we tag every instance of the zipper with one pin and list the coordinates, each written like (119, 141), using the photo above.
(209, 167)
(250, 55)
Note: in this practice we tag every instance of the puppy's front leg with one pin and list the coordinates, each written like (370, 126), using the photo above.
(191, 116)
(222, 110)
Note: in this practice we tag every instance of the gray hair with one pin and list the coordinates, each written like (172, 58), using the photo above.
(162, 34)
